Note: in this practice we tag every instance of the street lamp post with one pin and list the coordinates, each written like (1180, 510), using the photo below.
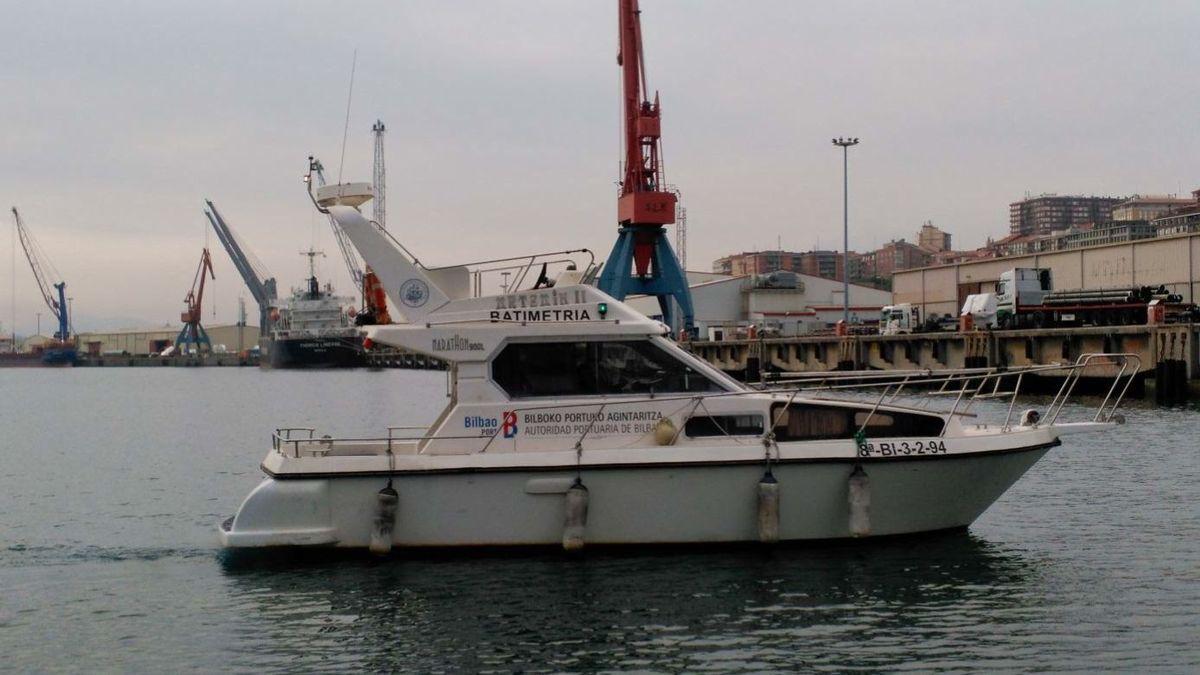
(845, 144)
(39, 330)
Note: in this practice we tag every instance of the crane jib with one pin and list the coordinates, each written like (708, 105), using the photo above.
(50, 287)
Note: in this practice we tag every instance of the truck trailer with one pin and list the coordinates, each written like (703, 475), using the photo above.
(1026, 298)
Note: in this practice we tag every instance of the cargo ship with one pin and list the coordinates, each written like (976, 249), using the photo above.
(315, 329)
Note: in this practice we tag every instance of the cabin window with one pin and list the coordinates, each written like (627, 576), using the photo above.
(804, 422)
(525, 369)
(722, 425)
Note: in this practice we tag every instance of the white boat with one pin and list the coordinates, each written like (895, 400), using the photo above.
(573, 420)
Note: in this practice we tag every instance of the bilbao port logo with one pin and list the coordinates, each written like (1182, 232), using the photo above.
(414, 293)
(509, 426)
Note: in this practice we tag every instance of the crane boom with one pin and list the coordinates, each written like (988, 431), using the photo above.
(195, 297)
(262, 287)
(643, 200)
(353, 266)
(48, 286)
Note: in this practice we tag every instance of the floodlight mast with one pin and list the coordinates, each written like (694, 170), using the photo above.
(844, 144)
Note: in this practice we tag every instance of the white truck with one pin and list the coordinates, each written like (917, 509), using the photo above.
(1025, 297)
(900, 319)
(1017, 290)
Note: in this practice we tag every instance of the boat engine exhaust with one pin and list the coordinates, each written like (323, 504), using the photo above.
(575, 520)
(768, 509)
(859, 499)
(386, 501)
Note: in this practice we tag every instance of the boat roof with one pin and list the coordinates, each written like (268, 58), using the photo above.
(471, 329)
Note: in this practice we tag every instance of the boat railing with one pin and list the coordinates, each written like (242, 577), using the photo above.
(298, 441)
(291, 435)
(966, 385)
(516, 270)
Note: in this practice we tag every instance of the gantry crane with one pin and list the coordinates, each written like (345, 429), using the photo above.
(54, 294)
(253, 272)
(193, 334)
(645, 204)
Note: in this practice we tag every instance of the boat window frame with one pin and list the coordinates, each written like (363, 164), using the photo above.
(719, 432)
(907, 420)
(718, 385)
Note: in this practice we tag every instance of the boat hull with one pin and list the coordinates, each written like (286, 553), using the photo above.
(316, 352)
(682, 504)
(64, 356)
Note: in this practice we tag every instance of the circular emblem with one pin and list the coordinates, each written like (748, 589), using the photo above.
(414, 293)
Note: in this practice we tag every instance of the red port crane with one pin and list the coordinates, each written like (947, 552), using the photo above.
(643, 200)
(645, 204)
(193, 334)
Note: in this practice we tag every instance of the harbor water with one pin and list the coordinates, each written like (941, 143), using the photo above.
(112, 481)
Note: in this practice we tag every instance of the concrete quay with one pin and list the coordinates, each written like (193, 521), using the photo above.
(142, 361)
(1169, 358)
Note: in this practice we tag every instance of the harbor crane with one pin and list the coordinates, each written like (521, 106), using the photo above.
(645, 204)
(193, 334)
(253, 272)
(54, 294)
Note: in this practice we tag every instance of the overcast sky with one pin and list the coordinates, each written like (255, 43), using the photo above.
(119, 118)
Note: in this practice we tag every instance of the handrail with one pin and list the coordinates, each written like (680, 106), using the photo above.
(1103, 412)
(1012, 404)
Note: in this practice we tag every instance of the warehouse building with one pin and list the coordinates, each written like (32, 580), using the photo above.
(781, 303)
(142, 341)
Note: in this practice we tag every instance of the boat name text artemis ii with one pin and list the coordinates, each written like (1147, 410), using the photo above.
(529, 306)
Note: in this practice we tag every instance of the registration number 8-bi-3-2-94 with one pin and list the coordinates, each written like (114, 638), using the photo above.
(902, 448)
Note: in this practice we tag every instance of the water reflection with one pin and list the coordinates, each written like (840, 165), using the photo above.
(833, 606)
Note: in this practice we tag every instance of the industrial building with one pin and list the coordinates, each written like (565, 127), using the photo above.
(1171, 261)
(1044, 214)
(143, 341)
(781, 303)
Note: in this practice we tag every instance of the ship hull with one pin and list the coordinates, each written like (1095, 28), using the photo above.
(315, 352)
(700, 503)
